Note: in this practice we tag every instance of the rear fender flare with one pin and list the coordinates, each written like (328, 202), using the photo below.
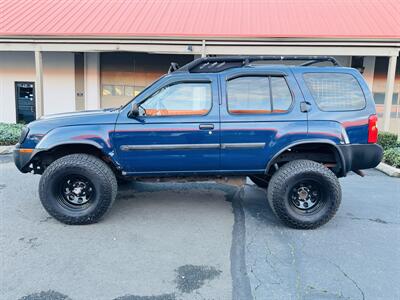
(316, 141)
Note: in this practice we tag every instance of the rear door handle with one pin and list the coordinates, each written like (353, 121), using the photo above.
(206, 126)
(305, 106)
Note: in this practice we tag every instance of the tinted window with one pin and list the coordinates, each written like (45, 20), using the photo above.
(179, 99)
(281, 96)
(335, 91)
(252, 95)
(249, 95)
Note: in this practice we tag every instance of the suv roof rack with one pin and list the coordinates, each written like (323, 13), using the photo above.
(221, 63)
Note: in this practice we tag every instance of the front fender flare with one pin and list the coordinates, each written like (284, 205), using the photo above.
(98, 136)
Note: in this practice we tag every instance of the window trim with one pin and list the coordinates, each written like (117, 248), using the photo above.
(246, 74)
(337, 110)
(176, 83)
(268, 76)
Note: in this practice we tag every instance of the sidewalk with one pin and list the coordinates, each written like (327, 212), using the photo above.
(6, 149)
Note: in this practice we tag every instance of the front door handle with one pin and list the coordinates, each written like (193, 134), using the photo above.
(206, 126)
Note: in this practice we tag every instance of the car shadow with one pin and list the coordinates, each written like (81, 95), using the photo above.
(255, 204)
(131, 188)
(138, 199)
(252, 199)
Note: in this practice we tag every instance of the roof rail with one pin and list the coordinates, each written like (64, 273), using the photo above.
(221, 63)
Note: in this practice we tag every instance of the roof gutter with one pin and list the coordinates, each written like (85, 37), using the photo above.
(201, 47)
(215, 39)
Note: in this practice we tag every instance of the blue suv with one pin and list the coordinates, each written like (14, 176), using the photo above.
(293, 129)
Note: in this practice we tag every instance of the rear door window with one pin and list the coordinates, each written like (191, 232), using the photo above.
(335, 91)
(258, 95)
(249, 95)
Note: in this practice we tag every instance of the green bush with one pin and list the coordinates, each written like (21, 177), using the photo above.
(10, 133)
(392, 157)
(387, 140)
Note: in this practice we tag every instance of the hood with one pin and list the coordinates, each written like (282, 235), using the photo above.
(78, 114)
(49, 122)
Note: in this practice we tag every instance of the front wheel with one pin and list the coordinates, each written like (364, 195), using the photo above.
(304, 194)
(77, 189)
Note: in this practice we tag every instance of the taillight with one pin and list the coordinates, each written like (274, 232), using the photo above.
(372, 129)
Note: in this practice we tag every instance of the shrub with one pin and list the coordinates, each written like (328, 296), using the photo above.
(10, 133)
(387, 140)
(392, 157)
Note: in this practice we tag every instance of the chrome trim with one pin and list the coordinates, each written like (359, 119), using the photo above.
(169, 147)
(242, 145)
(193, 146)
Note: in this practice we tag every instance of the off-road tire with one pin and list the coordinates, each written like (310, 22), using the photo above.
(101, 177)
(262, 181)
(287, 177)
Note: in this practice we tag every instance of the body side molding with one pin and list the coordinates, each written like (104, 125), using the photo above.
(193, 146)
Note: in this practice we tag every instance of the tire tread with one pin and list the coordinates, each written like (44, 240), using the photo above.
(278, 181)
(82, 161)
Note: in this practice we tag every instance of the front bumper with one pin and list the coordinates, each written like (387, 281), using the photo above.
(23, 158)
(360, 156)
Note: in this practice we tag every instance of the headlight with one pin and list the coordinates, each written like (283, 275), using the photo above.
(24, 133)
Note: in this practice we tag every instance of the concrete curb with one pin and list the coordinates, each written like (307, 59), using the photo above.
(6, 149)
(388, 170)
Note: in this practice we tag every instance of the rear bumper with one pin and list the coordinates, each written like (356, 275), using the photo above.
(360, 156)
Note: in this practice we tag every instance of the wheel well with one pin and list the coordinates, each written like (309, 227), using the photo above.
(43, 159)
(324, 153)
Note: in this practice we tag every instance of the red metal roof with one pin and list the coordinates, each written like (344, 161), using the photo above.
(207, 18)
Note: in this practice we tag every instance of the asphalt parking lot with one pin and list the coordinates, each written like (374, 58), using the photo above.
(199, 241)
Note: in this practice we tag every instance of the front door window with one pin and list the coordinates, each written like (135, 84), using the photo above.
(182, 99)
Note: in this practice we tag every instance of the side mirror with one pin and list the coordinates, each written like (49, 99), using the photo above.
(134, 112)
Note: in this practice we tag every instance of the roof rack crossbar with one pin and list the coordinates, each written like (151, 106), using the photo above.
(217, 64)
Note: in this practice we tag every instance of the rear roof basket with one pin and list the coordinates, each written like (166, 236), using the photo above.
(221, 63)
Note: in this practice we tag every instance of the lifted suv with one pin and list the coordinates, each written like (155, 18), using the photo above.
(293, 129)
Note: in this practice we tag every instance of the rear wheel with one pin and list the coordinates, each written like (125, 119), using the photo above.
(304, 194)
(77, 189)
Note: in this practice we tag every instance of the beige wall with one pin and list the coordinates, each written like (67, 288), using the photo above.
(58, 81)
(14, 66)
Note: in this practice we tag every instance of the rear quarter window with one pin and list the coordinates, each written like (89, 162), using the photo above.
(335, 91)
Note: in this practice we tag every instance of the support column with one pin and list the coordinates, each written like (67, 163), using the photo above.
(203, 49)
(369, 64)
(389, 92)
(92, 80)
(39, 84)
